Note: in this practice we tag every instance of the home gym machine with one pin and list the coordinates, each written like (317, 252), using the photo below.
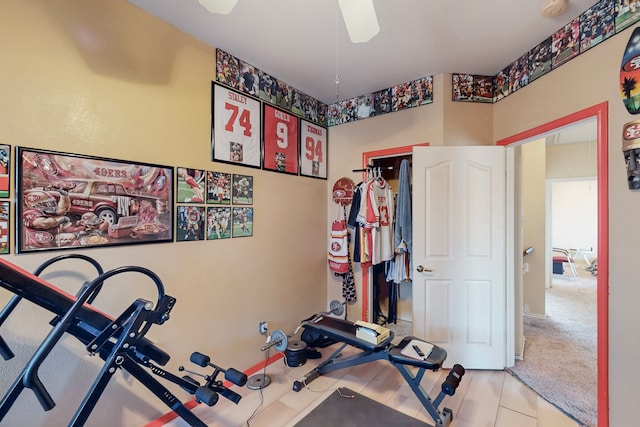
(409, 354)
(120, 341)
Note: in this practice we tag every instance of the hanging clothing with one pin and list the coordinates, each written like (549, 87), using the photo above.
(353, 223)
(402, 270)
(376, 218)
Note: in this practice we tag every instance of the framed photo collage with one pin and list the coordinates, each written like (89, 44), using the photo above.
(213, 205)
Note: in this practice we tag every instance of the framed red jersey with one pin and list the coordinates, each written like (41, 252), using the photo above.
(313, 150)
(280, 133)
(235, 127)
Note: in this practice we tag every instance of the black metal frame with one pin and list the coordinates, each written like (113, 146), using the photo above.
(120, 342)
(345, 332)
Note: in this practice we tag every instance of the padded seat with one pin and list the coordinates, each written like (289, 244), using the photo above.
(433, 362)
(562, 256)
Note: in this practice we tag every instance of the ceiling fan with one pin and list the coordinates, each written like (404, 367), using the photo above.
(359, 16)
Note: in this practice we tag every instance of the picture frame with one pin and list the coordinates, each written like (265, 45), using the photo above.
(218, 222)
(190, 223)
(5, 214)
(313, 150)
(72, 201)
(5, 169)
(242, 189)
(242, 224)
(190, 185)
(280, 132)
(235, 127)
(218, 188)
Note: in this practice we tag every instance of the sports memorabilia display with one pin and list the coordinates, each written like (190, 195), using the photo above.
(235, 127)
(313, 150)
(71, 201)
(280, 132)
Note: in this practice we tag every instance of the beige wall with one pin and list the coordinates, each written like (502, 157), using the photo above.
(106, 79)
(533, 206)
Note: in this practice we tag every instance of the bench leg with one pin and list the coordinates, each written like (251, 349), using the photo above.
(441, 418)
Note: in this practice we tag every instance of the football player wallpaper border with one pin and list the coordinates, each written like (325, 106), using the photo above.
(4, 227)
(70, 201)
(242, 222)
(5, 165)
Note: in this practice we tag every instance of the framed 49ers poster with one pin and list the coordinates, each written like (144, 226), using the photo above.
(72, 201)
(235, 127)
(280, 132)
(313, 150)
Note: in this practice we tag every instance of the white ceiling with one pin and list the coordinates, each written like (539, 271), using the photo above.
(305, 44)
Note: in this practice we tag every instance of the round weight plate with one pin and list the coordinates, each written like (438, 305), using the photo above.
(280, 340)
(296, 345)
(258, 381)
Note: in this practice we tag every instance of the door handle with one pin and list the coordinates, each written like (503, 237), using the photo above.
(421, 269)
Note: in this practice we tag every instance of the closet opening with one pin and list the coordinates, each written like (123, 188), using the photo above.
(392, 302)
(384, 301)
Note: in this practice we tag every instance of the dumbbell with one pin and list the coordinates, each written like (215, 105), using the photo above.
(452, 381)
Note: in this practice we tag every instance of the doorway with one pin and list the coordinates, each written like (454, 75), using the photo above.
(598, 112)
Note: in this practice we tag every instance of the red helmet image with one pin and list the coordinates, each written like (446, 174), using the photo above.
(42, 201)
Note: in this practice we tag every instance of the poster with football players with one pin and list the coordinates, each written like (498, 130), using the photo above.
(313, 150)
(235, 127)
(280, 132)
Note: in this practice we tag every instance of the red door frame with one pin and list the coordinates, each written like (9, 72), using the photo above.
(600, 112)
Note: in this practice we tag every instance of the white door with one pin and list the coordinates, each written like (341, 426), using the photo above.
(459, 241)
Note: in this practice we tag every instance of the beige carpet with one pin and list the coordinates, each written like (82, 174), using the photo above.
(560, 356)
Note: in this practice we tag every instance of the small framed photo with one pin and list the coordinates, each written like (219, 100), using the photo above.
(190, 185)
(4, 227)
(242, 189)
(5, 164)
(190, 223)
(218, 223)
(218, 188)
(313, 150)
(242, 222)
(281, 146)
(235, 127)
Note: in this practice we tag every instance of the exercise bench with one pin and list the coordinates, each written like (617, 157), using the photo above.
(344, 331)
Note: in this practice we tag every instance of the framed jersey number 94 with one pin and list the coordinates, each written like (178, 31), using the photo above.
(235, 127)
(313, 150)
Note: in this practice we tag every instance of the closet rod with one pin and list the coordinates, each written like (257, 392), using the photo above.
(387, 168)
